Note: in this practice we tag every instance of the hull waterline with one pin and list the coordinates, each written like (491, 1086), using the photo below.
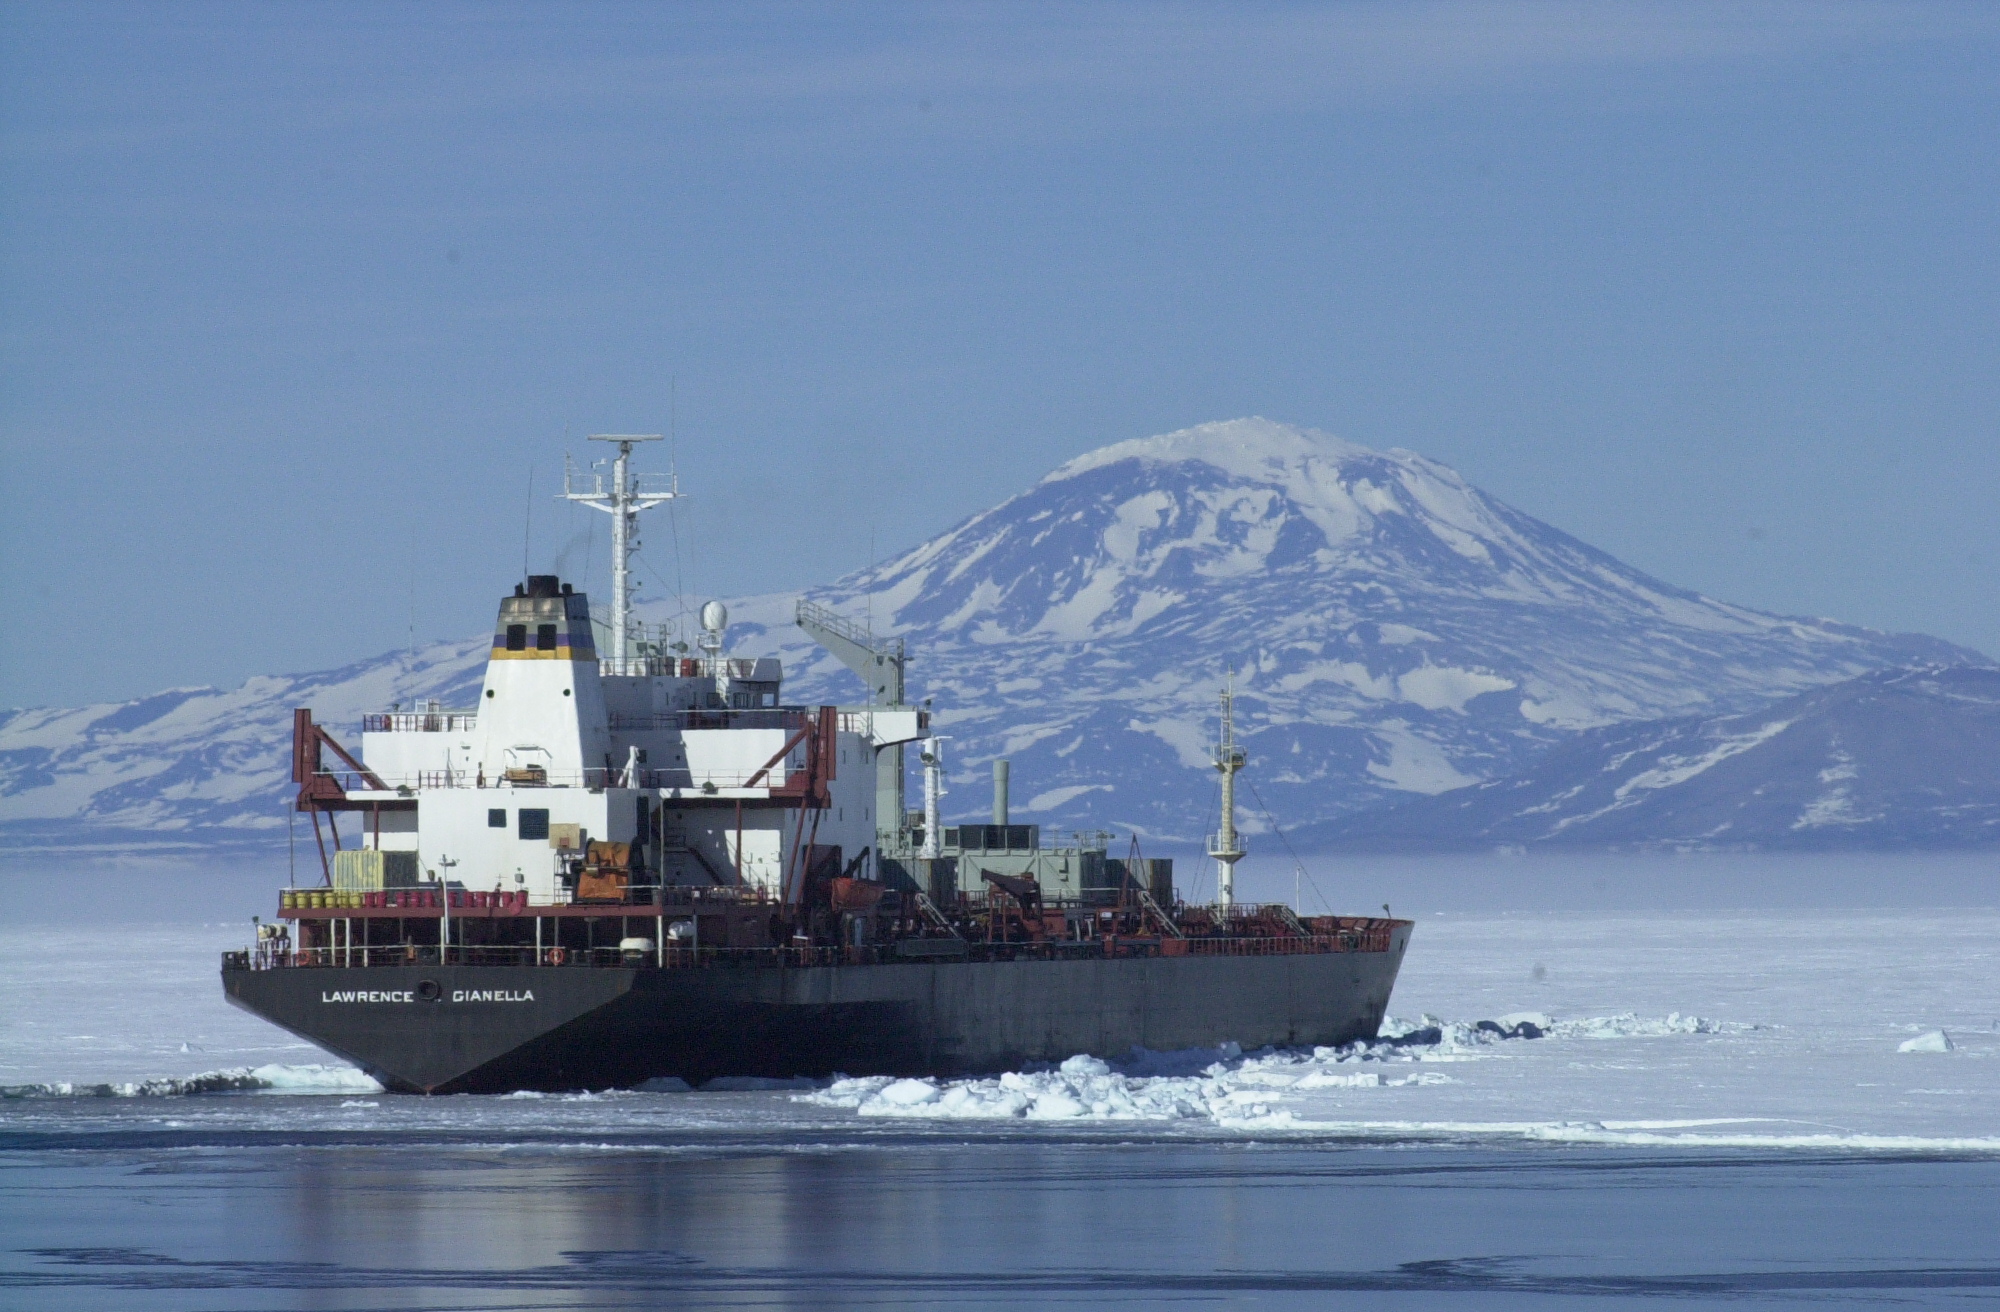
(494, 1029)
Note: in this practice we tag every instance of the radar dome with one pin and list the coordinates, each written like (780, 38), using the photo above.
(715, 617)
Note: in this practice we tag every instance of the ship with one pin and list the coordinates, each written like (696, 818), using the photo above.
(643, 864)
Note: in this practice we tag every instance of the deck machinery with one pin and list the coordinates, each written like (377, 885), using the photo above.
(645, 864)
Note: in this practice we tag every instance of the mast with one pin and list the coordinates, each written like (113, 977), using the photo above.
(934, 791)
(1224, 845)
(623, 502)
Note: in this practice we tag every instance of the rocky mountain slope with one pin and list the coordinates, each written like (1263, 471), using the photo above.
(1894, 759)
(197, 768)
(1395, 631)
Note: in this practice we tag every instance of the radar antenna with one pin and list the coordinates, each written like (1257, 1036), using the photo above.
(627, 496)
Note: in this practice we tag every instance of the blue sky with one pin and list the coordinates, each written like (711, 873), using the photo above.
(295, 300)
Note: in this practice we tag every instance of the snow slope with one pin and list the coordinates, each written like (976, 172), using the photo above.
(1898, 758)
(1396, 632)
(198, 767)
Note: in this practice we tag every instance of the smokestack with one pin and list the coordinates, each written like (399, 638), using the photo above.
(999, 792)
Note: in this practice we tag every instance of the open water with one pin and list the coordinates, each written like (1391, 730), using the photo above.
(1761, 1105)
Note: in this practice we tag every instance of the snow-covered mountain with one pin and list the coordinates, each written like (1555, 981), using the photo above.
(197, 768)
(1395, 631)
(1897, 758)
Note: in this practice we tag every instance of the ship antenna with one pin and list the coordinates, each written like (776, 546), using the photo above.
(627, 496)
(528, 522)
(1224, 845)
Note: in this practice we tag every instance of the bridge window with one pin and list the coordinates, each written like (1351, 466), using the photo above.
(517, 637)
(545, 637)
(534, 823)
(497, 818)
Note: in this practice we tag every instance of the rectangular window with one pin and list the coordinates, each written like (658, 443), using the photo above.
(517, 637)
(534, 823)
(545, 637)
(496, 818)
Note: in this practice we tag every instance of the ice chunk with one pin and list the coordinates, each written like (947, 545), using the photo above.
(1427, 1037)
(1629, 1025)
(909, 1093)
(1526, 1029)
(1935, 1041)
(239, 1079)
(1324, 1080)
(1054, 1105)
(849, 1093)
(312, 1079)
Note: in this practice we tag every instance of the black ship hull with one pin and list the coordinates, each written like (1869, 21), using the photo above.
(496, 1029)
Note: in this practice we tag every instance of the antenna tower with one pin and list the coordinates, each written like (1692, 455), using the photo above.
(628, 494)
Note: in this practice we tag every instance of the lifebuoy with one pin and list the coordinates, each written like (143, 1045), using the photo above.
(555, 956)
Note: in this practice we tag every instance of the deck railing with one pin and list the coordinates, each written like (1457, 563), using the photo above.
(672, 957)
(596, 777)
(421, 722)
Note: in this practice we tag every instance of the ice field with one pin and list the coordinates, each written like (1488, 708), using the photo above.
(1808, 1028)
(1601, 1104)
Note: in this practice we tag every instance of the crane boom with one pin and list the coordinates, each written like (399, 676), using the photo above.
(880, 663)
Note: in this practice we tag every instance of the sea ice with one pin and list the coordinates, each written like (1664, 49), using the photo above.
(1935, 1041)
(308, 1079)
(1699, 1029)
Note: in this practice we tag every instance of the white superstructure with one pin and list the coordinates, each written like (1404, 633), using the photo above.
(692, 760)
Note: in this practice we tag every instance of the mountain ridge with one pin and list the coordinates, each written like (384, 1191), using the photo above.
(1888, 760)
(1395, 631)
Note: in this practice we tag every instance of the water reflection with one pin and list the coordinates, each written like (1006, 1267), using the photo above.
(994, 1220)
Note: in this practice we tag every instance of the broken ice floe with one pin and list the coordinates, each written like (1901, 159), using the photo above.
(312, 1079)
(1224, 1085)
(1088, 1088)
(1935, 1041)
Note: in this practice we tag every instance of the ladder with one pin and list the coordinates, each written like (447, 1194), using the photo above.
(1289, 920)
(935, 916)
(1166, 921)
(1145, 898)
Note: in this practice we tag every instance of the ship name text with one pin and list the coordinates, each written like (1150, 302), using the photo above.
(408, 995)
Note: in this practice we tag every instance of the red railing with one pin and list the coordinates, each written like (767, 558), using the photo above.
(273, 956)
